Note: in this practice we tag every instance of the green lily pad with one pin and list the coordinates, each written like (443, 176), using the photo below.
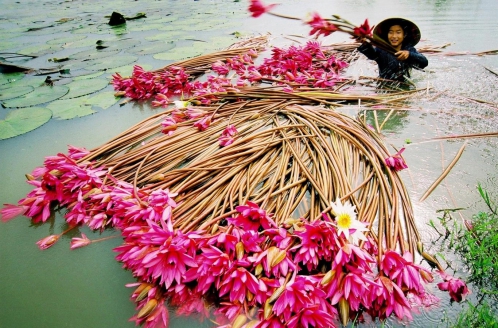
(169, 36)
(84, 87)
(70, 108)
(103, 100)
(120, 44)
(146, 27)
(153, 48)
(119, 29)
(128, 69)
(22, 120)
(10, 93)
(39, 49)
(68, 39)
(111, 62)
(179, 53)
(94, 54)
(40, 95)
(10, 77)
(88, 42)
(87, 75)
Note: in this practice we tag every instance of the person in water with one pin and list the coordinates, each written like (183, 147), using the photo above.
(402, 35)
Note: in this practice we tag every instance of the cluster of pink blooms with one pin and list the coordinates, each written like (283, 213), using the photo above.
(301, 274)
(308, 65)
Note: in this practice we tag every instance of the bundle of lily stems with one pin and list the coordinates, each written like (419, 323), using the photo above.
(256, 203)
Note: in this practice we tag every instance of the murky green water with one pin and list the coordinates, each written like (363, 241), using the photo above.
(85, 287)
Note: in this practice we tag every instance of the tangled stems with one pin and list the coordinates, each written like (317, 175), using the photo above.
(194, 213)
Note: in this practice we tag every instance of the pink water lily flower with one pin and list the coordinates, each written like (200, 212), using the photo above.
(251, 217)
(257, 8)
(456, 287)
(204, 123)
(363, 30)
(320, 26)
(227, 136)
(168, 125)
(80, 242)
(10, 211)
(396, 161)
(48, 241)
(161, 101)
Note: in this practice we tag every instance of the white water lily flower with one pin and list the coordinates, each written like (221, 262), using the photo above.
(346, 222)
(181, 104)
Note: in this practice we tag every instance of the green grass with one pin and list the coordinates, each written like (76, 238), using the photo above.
(476, 241)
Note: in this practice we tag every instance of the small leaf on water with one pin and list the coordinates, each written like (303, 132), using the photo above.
(107, 63)
(84, 87)
(10, 77)
(20, 121)
(70, 108)
(40, 95)
(103, 100)
(9, 93)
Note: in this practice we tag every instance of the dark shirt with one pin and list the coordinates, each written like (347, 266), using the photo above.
(391, 68)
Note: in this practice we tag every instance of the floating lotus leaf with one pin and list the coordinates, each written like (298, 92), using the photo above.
(128, 69)
(120, 29)
(94, 54)
(89, 29)
(9, 93)
(40, 49)
(10, 77)
(168, 36)
(153, 48)
(146, 27)
(22, 120)
(88, 42)
(179, 53)
(85, 87)
(120, 44)
(103, 100)
(87, 75)
(68, 39)
(70, 108)
(111, 62)
(40, 95)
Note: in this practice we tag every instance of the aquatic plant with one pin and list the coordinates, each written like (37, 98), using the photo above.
(255, 198)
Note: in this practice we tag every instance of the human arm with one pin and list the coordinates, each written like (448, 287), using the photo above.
(368, 50)
(412, 57)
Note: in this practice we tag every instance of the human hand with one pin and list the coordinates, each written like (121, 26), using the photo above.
(402, 55)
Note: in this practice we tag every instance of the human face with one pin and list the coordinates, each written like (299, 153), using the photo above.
(396, 36)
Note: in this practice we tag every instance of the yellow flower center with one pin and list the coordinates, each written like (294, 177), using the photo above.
(344, 220)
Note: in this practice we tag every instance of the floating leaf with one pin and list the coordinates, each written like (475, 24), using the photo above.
(153, 48)
(103, 100)
(179, 53)
(67, 39)
(84, 87)
(87, 75)
(20, 121)
(169, 36)
(146, 27)
(128, 69)
(10, 93)
(70, 108)
(39, 49)
(94, 54)
(106, 63)
(120, 44)
(11, 77)
(40, 95)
